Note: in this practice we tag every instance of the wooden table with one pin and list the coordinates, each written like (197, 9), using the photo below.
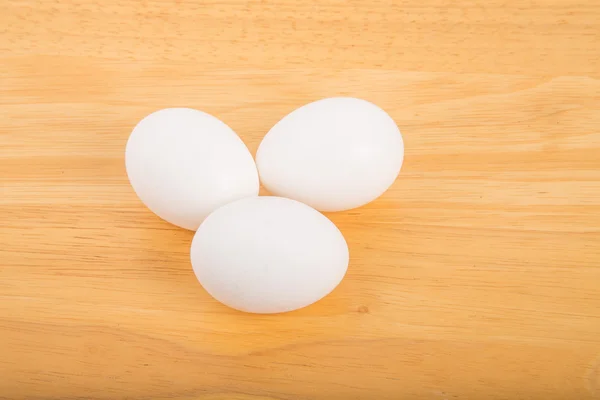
(476, 276)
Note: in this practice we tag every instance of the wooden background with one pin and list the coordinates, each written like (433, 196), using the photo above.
(477, 275)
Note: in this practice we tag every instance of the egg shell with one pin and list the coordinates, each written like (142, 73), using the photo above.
(333, 154)
(184, 163)
(268, 255)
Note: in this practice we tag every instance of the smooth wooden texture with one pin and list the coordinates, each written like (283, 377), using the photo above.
(477, 275)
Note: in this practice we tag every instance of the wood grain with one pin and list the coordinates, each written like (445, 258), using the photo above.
(477, 275)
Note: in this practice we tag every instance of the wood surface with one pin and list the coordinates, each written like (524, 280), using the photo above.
(476, 276)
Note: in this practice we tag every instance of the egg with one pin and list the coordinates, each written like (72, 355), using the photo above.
(183, 164)
(333, 154)
(268, 255)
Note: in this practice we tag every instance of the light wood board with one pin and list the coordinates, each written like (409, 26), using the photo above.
(477, 275)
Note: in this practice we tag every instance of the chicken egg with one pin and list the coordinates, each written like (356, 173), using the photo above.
(268, 255)
(183, 164)
(333, 154)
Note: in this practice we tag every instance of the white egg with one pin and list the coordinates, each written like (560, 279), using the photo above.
(184, 163)
(333, 154)
(268, 255)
